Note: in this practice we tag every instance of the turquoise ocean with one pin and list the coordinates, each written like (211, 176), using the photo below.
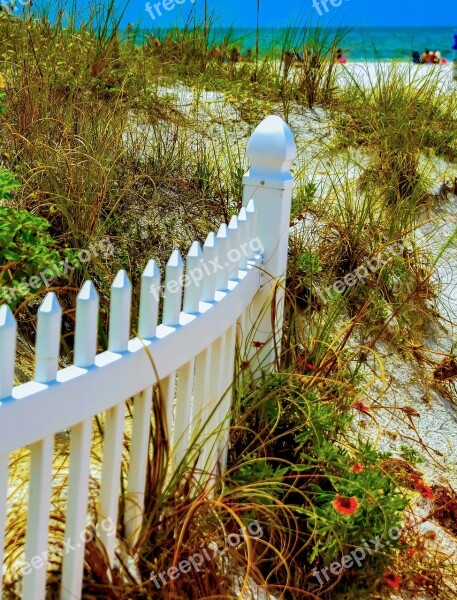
(359, 44)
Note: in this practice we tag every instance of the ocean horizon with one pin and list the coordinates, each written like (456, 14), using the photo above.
(358, 43)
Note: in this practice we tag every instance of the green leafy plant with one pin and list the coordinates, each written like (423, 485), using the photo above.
(26, 248)
(8, 183)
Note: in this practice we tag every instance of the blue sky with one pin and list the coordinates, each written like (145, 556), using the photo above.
(278, 13)
(242, 13)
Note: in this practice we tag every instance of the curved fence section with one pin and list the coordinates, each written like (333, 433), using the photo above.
(189, 325)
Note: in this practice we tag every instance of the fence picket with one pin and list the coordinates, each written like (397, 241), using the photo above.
(192, 295)
(173, 289)
(142, 403)
(80, 447)
(224, 413)
(48, 339)
(171, 313)
(243, 225)
(194, 276)
(181, 432)
(8, 332)
(251, 211)
(41, 453)
(210, 448)
(222, 254)
(149, 301)
(210, 253)
(121, 298)
(201, 395)
(234, 245)
(134, 503)
(3, 511)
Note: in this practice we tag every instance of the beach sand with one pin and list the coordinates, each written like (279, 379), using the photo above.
(365, 72)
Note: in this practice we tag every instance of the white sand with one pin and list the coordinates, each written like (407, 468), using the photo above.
(364, 73)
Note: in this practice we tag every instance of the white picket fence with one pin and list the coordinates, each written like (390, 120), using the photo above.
(190, 355)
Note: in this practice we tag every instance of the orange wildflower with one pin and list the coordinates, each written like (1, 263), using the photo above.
(345, 506)
(393, 580)
(423, 489)
(358, 468)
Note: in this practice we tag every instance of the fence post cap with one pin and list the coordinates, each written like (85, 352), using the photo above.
(272, 145)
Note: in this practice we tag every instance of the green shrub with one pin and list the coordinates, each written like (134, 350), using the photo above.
(26, 248)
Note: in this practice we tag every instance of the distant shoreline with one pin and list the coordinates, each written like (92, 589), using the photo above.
(360, 44)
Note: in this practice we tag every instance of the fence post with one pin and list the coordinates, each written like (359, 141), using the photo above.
(269, 183)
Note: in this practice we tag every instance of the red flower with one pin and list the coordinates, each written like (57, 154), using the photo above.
(345, 506)
(361, 406)
(358, 468)
(392, 580)
(423, 489)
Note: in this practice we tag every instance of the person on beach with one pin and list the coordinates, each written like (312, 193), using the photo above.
(339, 58)
(426, 58)
(416, 58)
(432, 58)
(439, 60)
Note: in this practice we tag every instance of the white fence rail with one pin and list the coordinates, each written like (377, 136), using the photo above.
(190, 355)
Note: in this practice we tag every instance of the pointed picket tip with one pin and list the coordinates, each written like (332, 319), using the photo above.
(272, 143)
(86, 326)
(211, 240)
(7, 320)
(152, 270)
(233, 222)
(195, 250)
(243, 215)
(250, 207)
(50, 304)
(88, 293)
(175, 259)
(121, 280)
(223, 231)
